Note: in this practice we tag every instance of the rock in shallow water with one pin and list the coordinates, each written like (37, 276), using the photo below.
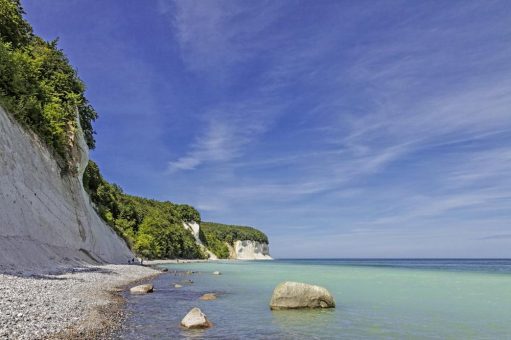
(195, 319)
(142, 289)
(293, 295)
(208, 297)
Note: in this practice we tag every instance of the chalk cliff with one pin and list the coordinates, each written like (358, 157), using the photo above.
(194, 227)
(46, 218)
(251, 250)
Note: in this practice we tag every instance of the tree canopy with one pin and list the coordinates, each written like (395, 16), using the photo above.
(152, 228)
(42, 91)
(39, 87)
(216, 236)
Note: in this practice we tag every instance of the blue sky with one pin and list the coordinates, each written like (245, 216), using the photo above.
(340, 128)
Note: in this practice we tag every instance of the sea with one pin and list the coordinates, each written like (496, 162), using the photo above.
(375, 299)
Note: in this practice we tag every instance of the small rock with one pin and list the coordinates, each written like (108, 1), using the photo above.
(142, 289)
(195, 319)
(208, 297)
(177, 285)
(217, 273)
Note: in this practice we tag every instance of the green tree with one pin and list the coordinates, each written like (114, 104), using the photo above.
(12, 26)
(144, 246)
(188, 213)
(39, 87)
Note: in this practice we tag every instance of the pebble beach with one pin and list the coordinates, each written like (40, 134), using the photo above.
(80, 303)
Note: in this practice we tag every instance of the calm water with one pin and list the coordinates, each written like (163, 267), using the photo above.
(380, 299)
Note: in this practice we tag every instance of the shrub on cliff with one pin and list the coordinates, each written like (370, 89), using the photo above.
(216, 235)
(154, 228)
(231, 233)
(38, 86)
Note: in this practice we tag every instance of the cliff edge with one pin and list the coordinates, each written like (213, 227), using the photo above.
(46, 219)
(227, 241)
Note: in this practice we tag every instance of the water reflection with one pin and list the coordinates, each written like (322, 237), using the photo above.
(294, 322)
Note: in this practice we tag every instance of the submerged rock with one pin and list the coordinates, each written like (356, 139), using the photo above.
(195, 319)
(292, 295)
(217, 273)
(208, 297)
(185, 282)
(142, 289)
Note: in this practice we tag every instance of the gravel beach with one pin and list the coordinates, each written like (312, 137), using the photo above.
(83, 303)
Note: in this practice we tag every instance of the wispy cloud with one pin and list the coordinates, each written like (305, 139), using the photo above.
(218, 34)
(340, 128)
(497, 237)
(401, 121)
(226, 131)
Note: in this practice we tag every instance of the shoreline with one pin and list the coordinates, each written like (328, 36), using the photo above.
(81, 303)
(175, 261)
(72, 303)
(183, 261)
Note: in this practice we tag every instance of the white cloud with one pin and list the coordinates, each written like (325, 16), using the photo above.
(411, 122)
(215, 34)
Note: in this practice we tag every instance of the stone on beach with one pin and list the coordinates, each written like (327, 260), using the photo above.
(195, 319)
(292, 295)
(217, 273)
(208, 297)
(142, 289)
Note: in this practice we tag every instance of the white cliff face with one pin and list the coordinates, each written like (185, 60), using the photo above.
(242, 250)
(46, 219)
(194, 227)
(251, 250)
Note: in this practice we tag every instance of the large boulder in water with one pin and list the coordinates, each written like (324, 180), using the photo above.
(292, 295)
(195, 319)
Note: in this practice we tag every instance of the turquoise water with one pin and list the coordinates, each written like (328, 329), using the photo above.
(380, 299)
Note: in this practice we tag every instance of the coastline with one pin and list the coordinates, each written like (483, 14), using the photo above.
(184, 261)
(174, 261)
(83, 302)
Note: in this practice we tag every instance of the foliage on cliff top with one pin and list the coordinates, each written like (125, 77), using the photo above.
(152, 228)
(213, 243)
(215, 235)
(230, 233)
(38, 86)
